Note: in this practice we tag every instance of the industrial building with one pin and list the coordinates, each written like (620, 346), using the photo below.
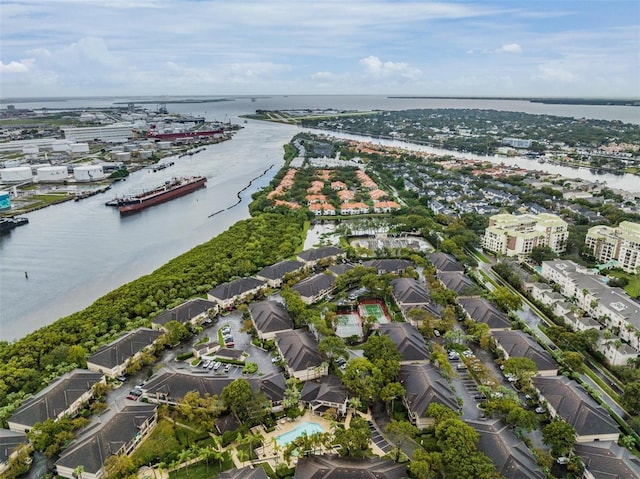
(118, 133)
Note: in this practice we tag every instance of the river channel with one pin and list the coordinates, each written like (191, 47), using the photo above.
(78, 251)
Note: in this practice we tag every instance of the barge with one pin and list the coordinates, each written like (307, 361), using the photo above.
(169, 190)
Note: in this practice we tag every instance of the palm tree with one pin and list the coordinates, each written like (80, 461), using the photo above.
(355, 403)
(77, 472)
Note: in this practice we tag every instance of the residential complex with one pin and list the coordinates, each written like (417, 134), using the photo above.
(621, 243)
(513, 235)
(615, 310)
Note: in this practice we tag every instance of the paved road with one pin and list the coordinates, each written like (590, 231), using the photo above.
(533, 320)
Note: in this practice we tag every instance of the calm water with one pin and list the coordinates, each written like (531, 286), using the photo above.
(76, 252)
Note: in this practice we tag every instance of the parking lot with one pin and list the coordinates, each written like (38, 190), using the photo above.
(232, 322)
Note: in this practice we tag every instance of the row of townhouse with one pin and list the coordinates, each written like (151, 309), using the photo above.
(616, 311)
(562, 396)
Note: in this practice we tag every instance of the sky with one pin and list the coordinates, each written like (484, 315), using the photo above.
(531, 48)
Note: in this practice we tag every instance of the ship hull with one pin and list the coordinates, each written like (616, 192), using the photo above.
(161, 197)
(187, 135)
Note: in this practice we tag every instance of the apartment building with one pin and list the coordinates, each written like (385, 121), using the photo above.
(621, 243)
(512, 235)
(617, 312)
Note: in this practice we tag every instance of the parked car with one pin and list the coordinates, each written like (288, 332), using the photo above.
(217, 365)
(227, 367)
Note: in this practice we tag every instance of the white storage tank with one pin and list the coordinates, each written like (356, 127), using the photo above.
(31, 150)
(88, 173)
(16, 174)
(80, 148)
(164, 145)
(61, 145)
(52, 173)
(145, 154)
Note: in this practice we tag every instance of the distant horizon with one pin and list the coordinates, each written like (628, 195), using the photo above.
(6, 99)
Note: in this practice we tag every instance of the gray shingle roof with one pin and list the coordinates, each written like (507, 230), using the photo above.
(511, 456)
(575, 406)
(123, 348)
(299, 349)
(55, 398)
(389, 265)
(184, 312)
(520, 344)
(314, 285)
(424, 384)
(176, 385)
(326, 388)
(445, 262)
(483, 311)
(455, 280)
(409, 291)
(607, 460)
(270, 316)
(235, 288)
(279, 270)
(408, 340)
(9, 442)
(340, 268)
(93, 450)
(335, 467)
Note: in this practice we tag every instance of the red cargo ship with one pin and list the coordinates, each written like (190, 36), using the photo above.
(185, 135)
(168, 191)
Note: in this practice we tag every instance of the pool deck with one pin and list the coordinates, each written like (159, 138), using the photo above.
(272, 453)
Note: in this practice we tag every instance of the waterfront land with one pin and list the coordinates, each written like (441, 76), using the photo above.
(276, 231)
(596, 144)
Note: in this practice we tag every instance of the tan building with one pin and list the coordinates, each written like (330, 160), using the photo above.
(512, 235)
(621, 243)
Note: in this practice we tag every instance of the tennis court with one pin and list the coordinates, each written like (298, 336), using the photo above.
(348, 325)
(373, 309)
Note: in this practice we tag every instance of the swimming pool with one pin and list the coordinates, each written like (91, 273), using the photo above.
(302, 428)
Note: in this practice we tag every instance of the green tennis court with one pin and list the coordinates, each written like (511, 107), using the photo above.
(348, 325)
(373, 310)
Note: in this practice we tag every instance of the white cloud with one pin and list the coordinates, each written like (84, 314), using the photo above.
(379, 69)
(16, 67)
(554, 73)
(510, 48)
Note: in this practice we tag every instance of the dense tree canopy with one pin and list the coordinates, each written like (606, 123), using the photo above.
(27, 365)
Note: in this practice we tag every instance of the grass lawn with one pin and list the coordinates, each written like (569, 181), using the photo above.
(633, 288)
(201, 471)
(163, 441)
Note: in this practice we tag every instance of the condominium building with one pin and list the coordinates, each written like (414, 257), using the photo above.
(512, 235)
(621, 243)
